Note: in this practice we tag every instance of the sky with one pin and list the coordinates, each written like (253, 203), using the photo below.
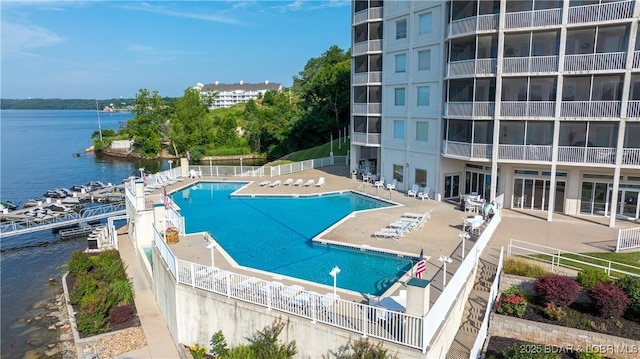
(112, 49)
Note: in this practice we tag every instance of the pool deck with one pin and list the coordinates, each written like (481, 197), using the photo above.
(439, 236)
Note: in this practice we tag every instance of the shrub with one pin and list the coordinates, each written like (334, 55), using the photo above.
(242, 351)
(590, 354)
(79, 263)
(512, 302)
(553, 312)
(265, 343)
(631, 286)
(197, 351)
(85, 285)
(590, 276)
(122, 291)
(362, 349)
(559, 290)
(609, 299)
(121, 314)
(90, 323)
(219, 344)
(522, 268)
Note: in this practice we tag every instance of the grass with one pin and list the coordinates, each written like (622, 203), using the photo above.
(627, 258)
(318, 152)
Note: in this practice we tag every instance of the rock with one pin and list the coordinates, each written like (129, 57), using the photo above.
(53, 281)
(34, 341)
(38, 317)
(32, 354)
(52, 352)
(52, 327)
(66, 337)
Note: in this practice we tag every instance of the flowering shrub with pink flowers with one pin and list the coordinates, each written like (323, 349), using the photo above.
(512, 302)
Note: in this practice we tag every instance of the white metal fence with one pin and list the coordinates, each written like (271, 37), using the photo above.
(628, 238)
(560, 258)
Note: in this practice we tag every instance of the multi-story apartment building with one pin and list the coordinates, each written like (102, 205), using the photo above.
(228, 95)
(536, 99)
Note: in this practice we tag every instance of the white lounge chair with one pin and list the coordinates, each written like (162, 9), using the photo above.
(388, 233)
(246, 284)
(392, 185)
(290, 292)
(413, 191)
(288, 182)
(379, 183)
(309, 183)
(275, 183)
(424, 194)
(298, 182)
(403, 226)
(264, 183)
(320, 182)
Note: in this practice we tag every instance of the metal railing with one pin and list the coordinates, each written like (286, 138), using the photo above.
(525, 152)
(631, 156)
(595, 62)
(534, 18)
(528, 108)
(590, 109)
(469, 109)
(472, 67)
(628, 238)
(366, 77)
(530, 64)
(366, 138)
(560, 258)
(574, 154)
(468, 150)
(472, 24)
(601, 12)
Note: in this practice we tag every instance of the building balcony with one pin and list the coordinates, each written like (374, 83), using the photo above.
(538, 153)
(466, 150)
(595, 62)
(535, 18)
(472, 67)
(362, 78)
(590, 155)
(527, 108)
(601, 12)
(364, 47)
(590, 109)
(631, 156)
(636, 60)
(367, 14)
(633, 109)
(531, 64)
(470, 109)
(366, 139)
(470, 25)
(367, 109)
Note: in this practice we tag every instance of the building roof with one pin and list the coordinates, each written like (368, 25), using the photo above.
(243, 86)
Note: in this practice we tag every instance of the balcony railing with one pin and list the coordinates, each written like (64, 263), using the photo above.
(470, 109)
(590, 109)
(476, 151)
(472, 67)
(363, 47)
(594, 62)
(363, 138)
(524, 152)
(535, 18)
(530, 64)
(636, 60)
(633, 109)
(367, 14)
(592, 155)
(472, 24)
(601, 12)
(631, 156)
(367, 108)
(527, 109)
(367, 77)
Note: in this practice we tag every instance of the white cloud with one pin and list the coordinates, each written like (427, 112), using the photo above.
(19, 39)
(310, 5)
(168, 10)
(148, 55)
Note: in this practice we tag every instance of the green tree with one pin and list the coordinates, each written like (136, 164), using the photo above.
(150, 111)
(190, 126)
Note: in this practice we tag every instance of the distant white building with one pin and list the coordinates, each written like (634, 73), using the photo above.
(231, 94)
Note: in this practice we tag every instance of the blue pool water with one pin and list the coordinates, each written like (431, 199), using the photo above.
(275, 234)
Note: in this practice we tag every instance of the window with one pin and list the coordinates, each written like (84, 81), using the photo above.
(398, 173)
(422, 131)
(401, 63)
(423, 95)
(401, 29)
(398, 129)
(425, 24)
(424, 60)
(421, 177)
(399, 96)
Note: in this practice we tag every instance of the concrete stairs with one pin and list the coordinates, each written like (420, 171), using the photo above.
(474, 312)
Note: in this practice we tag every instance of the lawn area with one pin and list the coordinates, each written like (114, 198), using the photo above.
(627, 261)
(339, 149)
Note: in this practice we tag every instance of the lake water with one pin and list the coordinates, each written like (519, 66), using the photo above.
(36, 154)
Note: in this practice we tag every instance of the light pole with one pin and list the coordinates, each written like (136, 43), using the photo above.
(463, 236)
(241, 171)
(444, 260)
(211, 246)
(170, 164)
(141, 169)
(334, 273)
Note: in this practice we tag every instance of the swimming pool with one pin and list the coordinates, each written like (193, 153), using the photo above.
(275, 234)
